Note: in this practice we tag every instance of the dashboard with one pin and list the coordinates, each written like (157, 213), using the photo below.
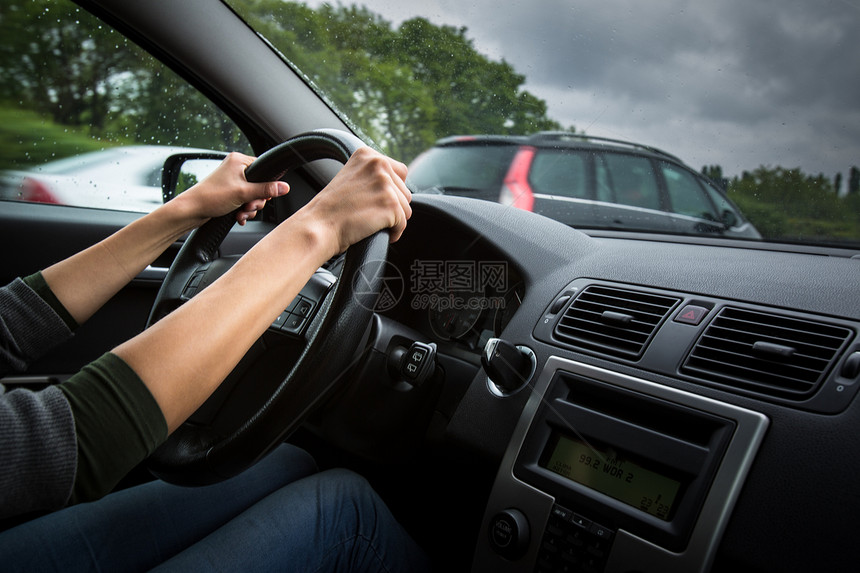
(458, 290)
(689, 403)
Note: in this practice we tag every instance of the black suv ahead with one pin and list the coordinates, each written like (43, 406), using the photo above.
(583, 181)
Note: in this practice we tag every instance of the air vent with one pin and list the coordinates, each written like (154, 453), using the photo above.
(614, 321)
(766, 353)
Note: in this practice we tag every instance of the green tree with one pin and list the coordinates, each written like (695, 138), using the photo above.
(406, 86)
(60, 60)
(160, 108)
(64, 64)
(787, 204)
(379, 92)
(471, 93)
(715, 174)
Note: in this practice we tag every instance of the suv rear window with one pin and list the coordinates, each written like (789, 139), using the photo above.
(561, 173)
(463, 167)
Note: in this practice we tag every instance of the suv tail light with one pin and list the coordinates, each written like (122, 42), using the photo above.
(34, 191)
(516, 190)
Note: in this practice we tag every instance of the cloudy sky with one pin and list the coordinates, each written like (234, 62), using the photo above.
(740, 83)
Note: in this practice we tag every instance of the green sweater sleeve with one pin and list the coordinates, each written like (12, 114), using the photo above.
(37, 282)
(117, 424)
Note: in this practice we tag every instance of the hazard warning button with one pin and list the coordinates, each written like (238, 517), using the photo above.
(692, 314)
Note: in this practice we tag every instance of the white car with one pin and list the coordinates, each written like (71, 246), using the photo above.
(124, 178)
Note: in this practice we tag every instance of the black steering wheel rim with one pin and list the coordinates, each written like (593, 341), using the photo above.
(196, 455)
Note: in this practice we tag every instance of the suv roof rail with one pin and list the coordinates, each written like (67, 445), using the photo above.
(492, 138)
(566, 135)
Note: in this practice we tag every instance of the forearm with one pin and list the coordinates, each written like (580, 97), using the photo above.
(85, 281)
(184, 357)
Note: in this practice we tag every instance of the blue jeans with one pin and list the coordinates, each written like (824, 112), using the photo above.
(279, 515)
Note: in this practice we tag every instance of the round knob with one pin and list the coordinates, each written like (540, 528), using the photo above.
(509, 368)
(509, 533)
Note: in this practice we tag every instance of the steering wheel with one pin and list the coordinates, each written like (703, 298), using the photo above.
(290, 370)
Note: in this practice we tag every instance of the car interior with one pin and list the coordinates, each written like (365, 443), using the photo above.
(619, 401)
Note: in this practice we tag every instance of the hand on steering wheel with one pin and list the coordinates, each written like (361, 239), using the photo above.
(288, 372)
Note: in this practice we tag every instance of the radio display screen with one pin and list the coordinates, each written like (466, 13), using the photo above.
(612, 472)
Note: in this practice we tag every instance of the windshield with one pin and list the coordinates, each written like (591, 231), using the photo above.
(758, 100)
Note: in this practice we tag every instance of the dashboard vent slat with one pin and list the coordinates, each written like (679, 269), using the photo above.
(797, 354)
(615, 321)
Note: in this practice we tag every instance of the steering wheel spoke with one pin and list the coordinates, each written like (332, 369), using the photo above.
(305, 307)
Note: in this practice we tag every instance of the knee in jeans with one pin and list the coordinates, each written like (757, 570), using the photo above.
(294, 460)
(346, 482)
(346, 487)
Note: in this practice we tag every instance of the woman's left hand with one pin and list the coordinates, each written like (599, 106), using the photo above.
(226, 189)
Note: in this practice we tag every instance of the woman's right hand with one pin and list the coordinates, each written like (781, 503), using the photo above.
(367, 195)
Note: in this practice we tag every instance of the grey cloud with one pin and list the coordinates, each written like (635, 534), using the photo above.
(781, 76)
(783, 51)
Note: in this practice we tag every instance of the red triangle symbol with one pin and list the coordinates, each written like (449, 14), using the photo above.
(690, 315)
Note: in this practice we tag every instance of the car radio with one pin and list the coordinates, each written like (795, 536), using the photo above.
(607, 472)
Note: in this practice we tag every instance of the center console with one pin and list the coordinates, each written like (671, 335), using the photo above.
(611, 473)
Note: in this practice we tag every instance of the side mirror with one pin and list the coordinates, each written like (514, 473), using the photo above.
(730, 218)
(183, 170)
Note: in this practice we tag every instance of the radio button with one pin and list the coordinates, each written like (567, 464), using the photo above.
(572, 542)
(580, 521)
(509, 533)
(561, 513)
(599, 531)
